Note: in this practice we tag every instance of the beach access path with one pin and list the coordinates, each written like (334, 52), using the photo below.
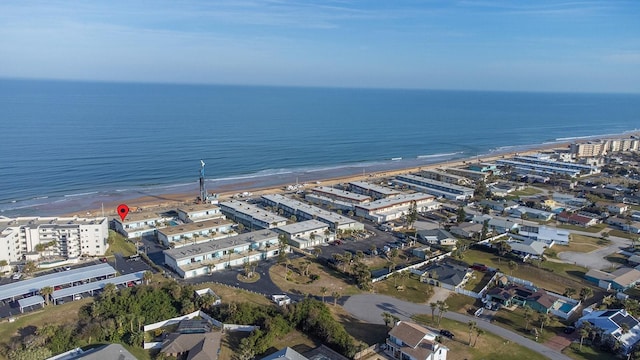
(369, 308)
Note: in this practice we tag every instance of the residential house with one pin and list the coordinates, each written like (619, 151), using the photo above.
(527, 248)
(546, 234)
(531, 213)
(576, 219)
(467, 230)
(285, 354)
(618, 208)
(499, 225)
(619, 280)
(447, 275)
(615, 323)
(436, 237)
(109, 351)
(194, 340)
(408, 340)
(498, 206)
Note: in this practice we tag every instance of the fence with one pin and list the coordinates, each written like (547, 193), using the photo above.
(469, 293)
(176, 320)
(364, 353)
(235, 327)
(412, 267)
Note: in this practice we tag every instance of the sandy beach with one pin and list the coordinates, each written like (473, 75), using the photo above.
(171, 201)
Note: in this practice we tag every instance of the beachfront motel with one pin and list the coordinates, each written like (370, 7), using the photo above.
(196, 232)
(138, 224)
(199, 212)
(389, 209)
(206, 258)
(306, 234)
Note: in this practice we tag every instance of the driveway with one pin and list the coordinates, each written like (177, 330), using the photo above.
(369, 308)
(594, 259)
(439, 294)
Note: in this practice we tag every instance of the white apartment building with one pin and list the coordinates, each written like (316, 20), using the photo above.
(251, 215)
(199, 212)
(138, 224)
(434, 187)
(388, 209)
(196, 232)
(373, 190)
(306, 234)
(304, 211)
(33, 238)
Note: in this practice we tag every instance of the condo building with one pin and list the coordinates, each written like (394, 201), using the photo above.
(375, 191)
(34, 238)
(251, 216)
(384, 210)
(434, 187)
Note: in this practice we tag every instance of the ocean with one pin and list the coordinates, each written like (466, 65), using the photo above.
(68, 146)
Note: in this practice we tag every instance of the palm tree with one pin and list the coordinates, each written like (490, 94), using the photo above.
(373, 249)
(512, 266)
(544, 319)
(45, 292)
(336, 295)
(569, 292)
(585, 330)
(387, 317)
(317, 252)
(323, 291)
(472, 326)
(479, 332)
(433, 307)
(442, 309)
(146, 277)
(527, 317)
(585, 293)
(404, 275)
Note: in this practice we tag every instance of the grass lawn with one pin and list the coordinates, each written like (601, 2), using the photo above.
(230, 343)
(582, 243)
(588, 353)
(414, 290)
(364, 332)
(118, 244)
(514, 320)
(528, 191)
(462, 303)
(623, 234)
(488, 346)
(478, 281)
(557, 277)
(592, 229)
(228, 294)
(301, 284)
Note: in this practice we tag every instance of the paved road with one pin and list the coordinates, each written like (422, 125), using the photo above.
(369, 307)
(594, 259)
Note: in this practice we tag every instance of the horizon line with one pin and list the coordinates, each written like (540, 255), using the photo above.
(187, 83)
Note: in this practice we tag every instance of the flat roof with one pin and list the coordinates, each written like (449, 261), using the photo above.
(254, 211)
(435, 183)
(303, 226)
(195, 226)
(59, 278)
(375, 188)
(309, 209)
(198, 207)
(220, 244)
(30, 301)
(341, 193)
(96, 285)
(396, 200)
(134, 217)
(48, 221)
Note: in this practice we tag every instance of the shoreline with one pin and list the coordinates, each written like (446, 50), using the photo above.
(172, 200)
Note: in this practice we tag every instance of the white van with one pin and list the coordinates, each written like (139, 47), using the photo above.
(17, 276)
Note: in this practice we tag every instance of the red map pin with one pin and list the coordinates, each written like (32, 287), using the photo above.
(123, 210)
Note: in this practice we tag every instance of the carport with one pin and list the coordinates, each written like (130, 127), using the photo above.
(94, 286)
(30, 301)
(33, 286)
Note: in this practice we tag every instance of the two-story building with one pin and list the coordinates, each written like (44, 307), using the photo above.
(375, 191)
(410, 341)
(396, 207)
(251, 216)
(434, 187)
(205, 258)
(303, 211)
(138, 224)
(199, 212)
(196, 232)
(306, 234)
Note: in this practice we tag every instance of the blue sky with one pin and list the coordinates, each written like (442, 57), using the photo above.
(542, 45)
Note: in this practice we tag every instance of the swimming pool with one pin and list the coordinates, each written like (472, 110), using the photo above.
(566, 307)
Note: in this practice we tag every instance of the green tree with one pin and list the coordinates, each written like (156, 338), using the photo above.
(29, 268)
(387, 317)
(336, 295)
(461, 216)
(412, 215)
(543, 319)
(433, 307)
(527, 315)
(569, 292)
(146, 277)
(443, 307)
(584, 331)
(503, 247)
(585, 293)
(512, 266)
(479, 332)
(282, 248)
(323, 292)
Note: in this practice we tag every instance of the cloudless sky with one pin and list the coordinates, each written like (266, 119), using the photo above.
(538, 45)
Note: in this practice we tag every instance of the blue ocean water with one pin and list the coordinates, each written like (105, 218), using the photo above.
(71, 145)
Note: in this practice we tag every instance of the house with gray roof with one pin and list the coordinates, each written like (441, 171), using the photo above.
(615, 323)
(446, 275)
(527, 247)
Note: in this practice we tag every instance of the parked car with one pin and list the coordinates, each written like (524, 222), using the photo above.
(77, 297)
(447, 333)
(17, 276)
(67, 268)
(104, 260)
